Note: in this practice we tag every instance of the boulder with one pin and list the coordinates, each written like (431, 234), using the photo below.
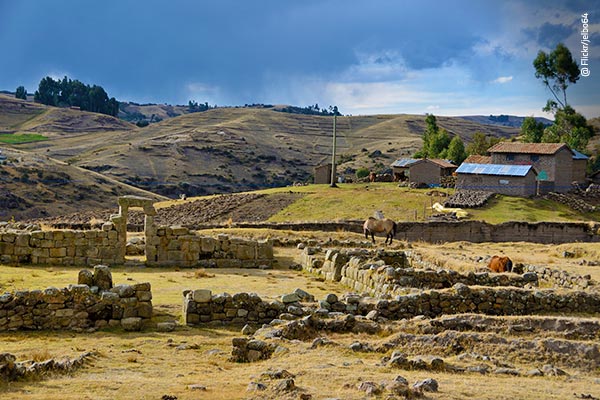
(103, 277)
(131, 324)
(85, 277)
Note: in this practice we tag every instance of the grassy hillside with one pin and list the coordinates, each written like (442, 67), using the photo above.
(358, 201)
(237, 149)
(34, 186)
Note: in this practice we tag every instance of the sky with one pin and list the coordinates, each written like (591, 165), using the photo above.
(453, 57)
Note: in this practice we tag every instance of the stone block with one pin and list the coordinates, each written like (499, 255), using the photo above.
(191, 319)
(207, 244)
(22, 239)
(7, 248)
(130, 312)
(110, 298)
(143, 295)
(123, 290)
(290, 298)
(131, 324)
(22, 251)
(58, 252)
(202, 295)
(102, 277)
(144, 309)
(66, 312)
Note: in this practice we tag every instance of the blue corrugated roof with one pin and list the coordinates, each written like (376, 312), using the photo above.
(579, 156)
(494, 169)
(404, 162)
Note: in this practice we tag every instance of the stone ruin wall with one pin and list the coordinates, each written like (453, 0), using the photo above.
(202, 307)
(93, 303)
(389, 273)
(66, 247)
(164, 246)
(179, 247)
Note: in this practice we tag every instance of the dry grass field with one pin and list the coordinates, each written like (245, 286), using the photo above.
(149, 364)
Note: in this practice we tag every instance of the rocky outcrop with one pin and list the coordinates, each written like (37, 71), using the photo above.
(11, 370)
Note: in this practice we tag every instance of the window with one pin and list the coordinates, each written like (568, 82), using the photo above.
(534, 158)
(503, 182)
(510, 157)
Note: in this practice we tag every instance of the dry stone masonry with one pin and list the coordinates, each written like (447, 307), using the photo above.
(178, 246)
(66, 247)
(200, 306)
(11, 370)
(164, 246)
(388, 273)
(93, 303)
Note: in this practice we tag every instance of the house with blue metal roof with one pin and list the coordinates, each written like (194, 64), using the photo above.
(557, 165)
(512, 180)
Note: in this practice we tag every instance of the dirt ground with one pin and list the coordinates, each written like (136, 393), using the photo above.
(250, 207)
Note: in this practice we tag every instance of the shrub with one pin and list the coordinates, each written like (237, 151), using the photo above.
(362, 172)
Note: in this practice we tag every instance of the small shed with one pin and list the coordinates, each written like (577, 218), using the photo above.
(512, 180)
(323, 174)
(422, 171)
(400, 168)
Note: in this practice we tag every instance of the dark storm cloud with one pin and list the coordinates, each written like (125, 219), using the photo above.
(549, 35)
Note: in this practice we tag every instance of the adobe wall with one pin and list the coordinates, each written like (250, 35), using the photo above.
(442, 231)
(78, 307)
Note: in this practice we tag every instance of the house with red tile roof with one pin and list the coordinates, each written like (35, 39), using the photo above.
(556, 165)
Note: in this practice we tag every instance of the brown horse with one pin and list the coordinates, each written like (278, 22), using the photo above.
(500, 264)
(386, 225)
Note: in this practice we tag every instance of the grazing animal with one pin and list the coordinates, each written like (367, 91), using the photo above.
(386, 225)
(500, 264)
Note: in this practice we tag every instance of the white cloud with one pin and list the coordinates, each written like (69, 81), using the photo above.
(202, 92)
(503, 79)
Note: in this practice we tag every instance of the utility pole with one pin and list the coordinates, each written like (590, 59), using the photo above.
(333, 156)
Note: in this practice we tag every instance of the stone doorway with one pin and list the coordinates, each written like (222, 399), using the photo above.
(150, 236)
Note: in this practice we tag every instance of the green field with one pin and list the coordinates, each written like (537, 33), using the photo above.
(21, 138)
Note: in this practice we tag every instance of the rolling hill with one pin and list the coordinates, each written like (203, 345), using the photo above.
(503, 120)
(37, 186)
(233, 149)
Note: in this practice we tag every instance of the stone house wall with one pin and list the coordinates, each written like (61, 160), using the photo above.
(425, 172)
(201, 306)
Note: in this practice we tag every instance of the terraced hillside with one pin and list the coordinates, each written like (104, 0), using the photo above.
(238, 149)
